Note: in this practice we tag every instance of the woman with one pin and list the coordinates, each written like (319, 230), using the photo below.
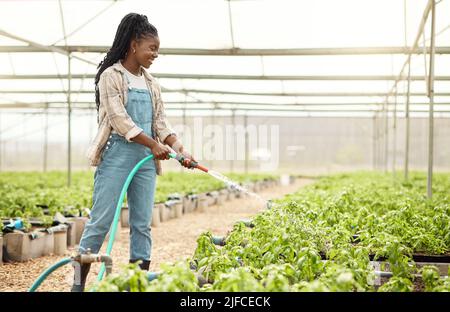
(132, 124)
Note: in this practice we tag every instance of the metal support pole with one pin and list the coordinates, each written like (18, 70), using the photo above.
(380, 140)
(407, 122)
(184, 131)
(246, 142)
(386, 135)
(69, 126)
(91, 132)
(213, 139)
(374, 141)
(431, 97)
(184, 118)
(1, 145)
(184, 127)
(45, 141)
(408, 94)
(377, 128)
(394, 134)
(233, 116)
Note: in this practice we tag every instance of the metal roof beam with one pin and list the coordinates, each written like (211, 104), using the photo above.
(288, 109)
(212, 104)
(44, 48)
(281, 94)
(237, 51)
(239, 77)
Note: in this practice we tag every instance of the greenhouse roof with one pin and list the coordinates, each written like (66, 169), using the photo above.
(321, 56)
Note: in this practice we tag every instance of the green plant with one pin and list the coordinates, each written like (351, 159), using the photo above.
(131, 278)
(431, 278)
(344, 218)
(239, 279)
(177, 277)
(397, 284)
(47, 221)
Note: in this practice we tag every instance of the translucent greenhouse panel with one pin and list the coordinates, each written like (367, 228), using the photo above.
(380, 19)
(164, 15)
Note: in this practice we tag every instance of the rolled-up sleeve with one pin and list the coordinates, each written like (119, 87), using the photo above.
(163, 127)
(112, 99)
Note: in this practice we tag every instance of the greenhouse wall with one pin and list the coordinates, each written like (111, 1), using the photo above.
(309, 145)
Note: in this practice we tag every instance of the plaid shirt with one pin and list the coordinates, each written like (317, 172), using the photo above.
(112, 114)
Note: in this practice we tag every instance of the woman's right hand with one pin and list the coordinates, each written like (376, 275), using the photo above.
(160, 151)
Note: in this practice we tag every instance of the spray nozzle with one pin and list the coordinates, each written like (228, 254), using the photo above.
(189, 163)
(186, 161)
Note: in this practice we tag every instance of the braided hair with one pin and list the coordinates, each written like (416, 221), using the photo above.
(133, 26)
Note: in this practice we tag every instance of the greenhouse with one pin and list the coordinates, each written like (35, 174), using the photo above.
(225, 146)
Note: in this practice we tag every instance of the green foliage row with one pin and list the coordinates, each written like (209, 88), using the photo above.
(346, 217)
(25, 194)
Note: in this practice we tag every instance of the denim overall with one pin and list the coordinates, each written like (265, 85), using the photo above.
(118, 159)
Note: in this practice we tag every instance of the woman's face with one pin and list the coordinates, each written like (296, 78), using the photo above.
(146, 50)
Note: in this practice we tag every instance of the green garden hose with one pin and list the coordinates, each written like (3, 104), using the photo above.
(119, 207)
(47, 272)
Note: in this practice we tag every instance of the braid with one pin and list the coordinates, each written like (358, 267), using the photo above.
(132, 26)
